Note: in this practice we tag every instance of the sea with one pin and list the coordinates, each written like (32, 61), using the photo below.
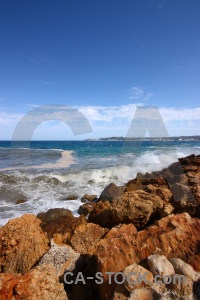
(45, 173)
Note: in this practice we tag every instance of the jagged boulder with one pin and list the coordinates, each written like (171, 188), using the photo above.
(86, 208)
(22, 244)
(40, 283)
(63, 258)
(172, 236)
(63, 225)
(86, 237)
(111, 192)
(131, 207)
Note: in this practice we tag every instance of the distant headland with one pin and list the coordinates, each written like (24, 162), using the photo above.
(174, 138)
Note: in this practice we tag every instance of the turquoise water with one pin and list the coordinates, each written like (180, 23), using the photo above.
(45, 173)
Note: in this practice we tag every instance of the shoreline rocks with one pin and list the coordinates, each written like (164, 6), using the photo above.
(152, 224)
(22, 244)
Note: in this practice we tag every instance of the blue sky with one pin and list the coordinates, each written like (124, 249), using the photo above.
(103, 57)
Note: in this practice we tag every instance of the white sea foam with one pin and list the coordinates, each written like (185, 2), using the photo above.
(45, 190)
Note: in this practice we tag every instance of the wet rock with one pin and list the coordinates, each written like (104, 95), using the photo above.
(86, 237)
(64, 225)
(72, 197)
(131, 207)
(111, 192)
(89, 198)
(39, 283)
(101, 215)
(86, 208)
(190, 160)
(184, 184)
(22, 244)
(20, 201)
(142, 181)
(159, 265)
(185, 199)
(54, 213)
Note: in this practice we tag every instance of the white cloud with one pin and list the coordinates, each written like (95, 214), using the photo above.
(173, 114)
(106, 121)
(137, 93)
(147, 96)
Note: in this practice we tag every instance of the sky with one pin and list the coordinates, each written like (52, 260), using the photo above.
(104, 58)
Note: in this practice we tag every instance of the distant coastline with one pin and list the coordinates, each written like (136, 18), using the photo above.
(174, 138)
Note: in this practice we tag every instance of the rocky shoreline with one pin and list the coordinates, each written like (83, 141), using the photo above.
(150, 225)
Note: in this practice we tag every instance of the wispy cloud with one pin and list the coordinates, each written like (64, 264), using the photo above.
(139, 94)
(147, 96)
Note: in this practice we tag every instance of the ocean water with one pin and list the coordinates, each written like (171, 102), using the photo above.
(45, 173)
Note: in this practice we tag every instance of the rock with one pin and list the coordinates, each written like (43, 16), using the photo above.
(172, 236)
(167, 210)
(101, 215)
(164, 193)
(64, 225)
(183, 180)
(120, 293)
(113, 253)
(131, 207)
(63, 259)
(159, 265)
(144, 294)
(190, 160)
(86, 237)
(54, 213)
(86, 208)
(134, 184)
(111, 192)
(39, 283)
(89, 198)
(181, 267)
(185, 199)
(181, 193)
(183, 290)
(141, 181)
(22, 244)
(20, 201)
(41, 216)
(72, 197)
(133, 281)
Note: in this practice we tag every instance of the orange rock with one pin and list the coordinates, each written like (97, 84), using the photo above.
(64, 225)
(86, 237)
(86, 208)
(172, 236)
(22, 244)
(39, 283)
(135, 207)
